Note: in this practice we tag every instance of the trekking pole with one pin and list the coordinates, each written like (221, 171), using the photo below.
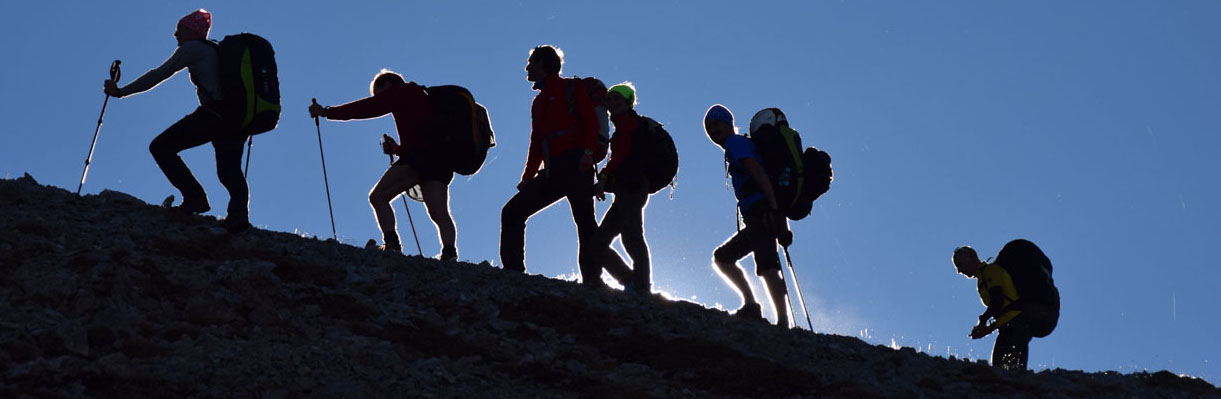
(114, 76)
(249, 148)
(324, 179)
(409, 221)
(800, 296)
(790, 297)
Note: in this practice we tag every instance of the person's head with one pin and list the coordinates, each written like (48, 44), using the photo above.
(544, 61)
(193, 26)
(718, 123)
(621, 98)
(966, 261)
(385, 80)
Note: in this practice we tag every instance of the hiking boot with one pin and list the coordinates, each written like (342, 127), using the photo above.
(750, 311)
(641, 290)
(235, 226)
(448, 254)
(192, 207)
(390, 247)
(597, 285)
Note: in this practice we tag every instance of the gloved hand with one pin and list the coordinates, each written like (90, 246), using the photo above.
(785, 238)
(317, 110)
(389, 147)
(111, 89)
(980, 331)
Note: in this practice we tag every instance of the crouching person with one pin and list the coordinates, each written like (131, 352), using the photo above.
(1022, 299)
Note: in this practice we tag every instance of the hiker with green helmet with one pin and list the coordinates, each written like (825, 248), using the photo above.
(759, 208)
(1021, 297)
(204, 125)
(624, 178)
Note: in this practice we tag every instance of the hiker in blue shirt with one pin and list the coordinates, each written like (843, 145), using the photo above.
(759, 212)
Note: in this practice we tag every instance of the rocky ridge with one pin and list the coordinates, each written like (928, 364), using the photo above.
(107, 296)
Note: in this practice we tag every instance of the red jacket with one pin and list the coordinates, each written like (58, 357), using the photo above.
(626, 125)
(550, 114)
(412, 115)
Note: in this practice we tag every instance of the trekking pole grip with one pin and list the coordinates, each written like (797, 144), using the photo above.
(115, 71)
(314, 101)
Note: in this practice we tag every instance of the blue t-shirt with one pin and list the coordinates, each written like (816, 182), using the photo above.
(737, 149)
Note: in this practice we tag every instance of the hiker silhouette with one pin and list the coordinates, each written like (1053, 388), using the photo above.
(1020, 295)
(564, 134)
(420, 162)
(757, 202)
(202, 126)
(624, 177)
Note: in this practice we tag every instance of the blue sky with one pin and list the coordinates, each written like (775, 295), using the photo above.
(1089, 127)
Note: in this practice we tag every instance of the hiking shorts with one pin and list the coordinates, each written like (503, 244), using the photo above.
(430, 167)
(756, 237)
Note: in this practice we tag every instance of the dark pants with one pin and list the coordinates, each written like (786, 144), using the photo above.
(756, 237)
(1012, 347)
(625, 218)
(196, 129)
(560, 180)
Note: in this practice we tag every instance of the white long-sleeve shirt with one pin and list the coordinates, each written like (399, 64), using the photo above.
(202, 63)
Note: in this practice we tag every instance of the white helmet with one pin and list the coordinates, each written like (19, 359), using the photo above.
(765, 117)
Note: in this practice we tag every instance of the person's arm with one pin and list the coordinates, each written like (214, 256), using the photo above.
(589, 124)
(995, 304)
(534, 156)
(365, 108)
(177, 61)
(588, 119)
(759, 176)
(621, 145)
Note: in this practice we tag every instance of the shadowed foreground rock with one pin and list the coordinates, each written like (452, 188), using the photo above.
(107, 296)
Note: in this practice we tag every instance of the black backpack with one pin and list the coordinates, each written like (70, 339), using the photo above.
(659, 156)
(249, 83)
(466, 130)
(1031, 272)
(798, 176)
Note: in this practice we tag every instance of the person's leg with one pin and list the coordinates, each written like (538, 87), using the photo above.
(726, 257)
(396, 180)
(777, 289)
(601, 255)
(189, 132)
(229, 171)
(581, 202)
(532, 197)
(436, 200)
(1012, 347)
(634, 242)
(767, 261)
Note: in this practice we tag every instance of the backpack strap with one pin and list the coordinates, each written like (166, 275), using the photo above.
(570, 88)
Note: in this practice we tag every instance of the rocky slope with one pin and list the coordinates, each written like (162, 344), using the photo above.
(107, 296)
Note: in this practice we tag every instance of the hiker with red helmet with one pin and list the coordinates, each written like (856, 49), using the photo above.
(759, 208)
(420, 162)
(625, 178)
(200, 127)
(563, 137)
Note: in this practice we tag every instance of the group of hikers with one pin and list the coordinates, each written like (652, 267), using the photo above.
(773, 180)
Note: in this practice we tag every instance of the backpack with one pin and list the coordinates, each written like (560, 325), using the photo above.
(597, 97)
(466, 130)
(659, 155)
(1031, 271)
(798, 177)
(249, 83)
